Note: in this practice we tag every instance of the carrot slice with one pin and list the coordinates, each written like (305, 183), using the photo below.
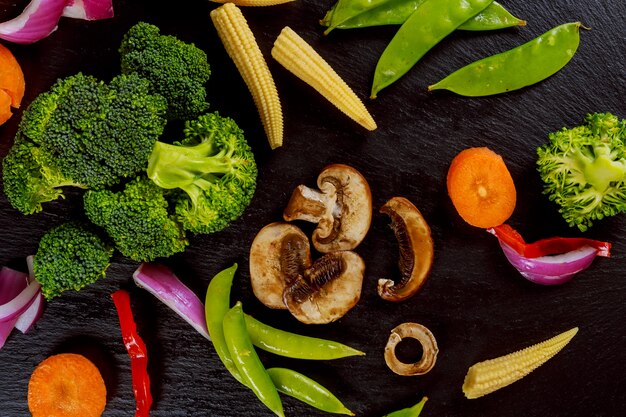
(11, 84)
(66, 385)
(481, 187)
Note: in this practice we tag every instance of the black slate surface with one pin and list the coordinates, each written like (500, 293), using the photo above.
(475, 303)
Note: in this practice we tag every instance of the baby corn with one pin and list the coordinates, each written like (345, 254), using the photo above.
(253, 3)
(488, 376)
(241, 46)
(292, 52)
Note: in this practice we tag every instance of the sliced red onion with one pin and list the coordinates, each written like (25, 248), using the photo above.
(161, 282)
(553, 269)
(34, 312)
(38, 20)
(18, 305)
(89, 9)
(12, 283)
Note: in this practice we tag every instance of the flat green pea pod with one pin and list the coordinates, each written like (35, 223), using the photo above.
(425, 28)
(247, 361)
(216, 305)
(306, 390)
(350, 14)
(409, 412)
(294, 345)
(517, 68)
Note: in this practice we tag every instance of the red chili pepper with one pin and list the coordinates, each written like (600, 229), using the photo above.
(544, 247)
(137, 351)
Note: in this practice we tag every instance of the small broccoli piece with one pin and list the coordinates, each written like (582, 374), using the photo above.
(70, 257)
(214, 166)
(584, 169)
(31, 177)
(96, 133)
(176, 70)
(137, 220)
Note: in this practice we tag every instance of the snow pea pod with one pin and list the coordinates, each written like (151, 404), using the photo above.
(294, 345)
(409, 412)
(426, 27)
(519, 67)
(350, 14)
(247, 361)
(306, 390)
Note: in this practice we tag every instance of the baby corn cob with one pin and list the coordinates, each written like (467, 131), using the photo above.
(292, 52)
(253, 3)
(241, 46)
(488, 376)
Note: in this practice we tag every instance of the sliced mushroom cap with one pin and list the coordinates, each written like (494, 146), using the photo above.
(328, 289)
(429, 345)
(279, 254)
(342, 208)
(416, 250)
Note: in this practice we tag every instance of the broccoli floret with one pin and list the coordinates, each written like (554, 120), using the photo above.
(584, 169)
(70, 257)
(214, 166)
(96, 133)
(137, 220)
(176, 70)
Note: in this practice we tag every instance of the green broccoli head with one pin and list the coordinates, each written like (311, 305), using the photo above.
(31, 177)
(215, 168)
(70, 257)
(176, 70)
(584, 169)
(96, 133)
(137, 220)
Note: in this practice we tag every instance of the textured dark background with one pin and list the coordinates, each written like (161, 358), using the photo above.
(475, 303)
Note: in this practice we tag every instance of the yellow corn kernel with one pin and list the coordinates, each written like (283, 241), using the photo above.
(488, 376)
(242, 48)
(253, 3)
(292, 52)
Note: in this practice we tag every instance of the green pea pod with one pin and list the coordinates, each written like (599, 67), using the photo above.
(294, 345)
(350, 14)
(306, 390)
(247, 361)
(216, 305)
(519, 67)
(409, 412)
(425, 28)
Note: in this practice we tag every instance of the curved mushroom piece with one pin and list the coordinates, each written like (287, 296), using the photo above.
(429, 345)
(328, 289)
(280, 253)
(416, 250)
(342, 208)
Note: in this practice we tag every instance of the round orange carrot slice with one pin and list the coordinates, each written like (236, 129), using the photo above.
(481, 187)
(11, 77)
(66, 385)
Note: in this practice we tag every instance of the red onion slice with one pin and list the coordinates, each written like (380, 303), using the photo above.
(38, 20)
(89, 9)
(34, 312)
(159, 281)
(551, 270)
(14, 308)
(11, 284)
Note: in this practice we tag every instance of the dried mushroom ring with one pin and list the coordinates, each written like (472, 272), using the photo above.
(424, 337)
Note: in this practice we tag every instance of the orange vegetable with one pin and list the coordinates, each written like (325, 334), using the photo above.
(11, 84)
(66, 385)
(481, 187)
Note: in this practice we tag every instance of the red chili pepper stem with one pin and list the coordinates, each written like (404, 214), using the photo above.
(137, 351)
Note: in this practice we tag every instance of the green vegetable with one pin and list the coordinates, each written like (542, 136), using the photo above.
(519, 67)
(349, 14)
(584, 169)
(216, 305)
(425, 28)
(137, 220)
(69, 257)
(294, 345)
(176, 70)
(214, 166)
(414, 411)
(247, 361)
(306, 390)
(82, 133)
